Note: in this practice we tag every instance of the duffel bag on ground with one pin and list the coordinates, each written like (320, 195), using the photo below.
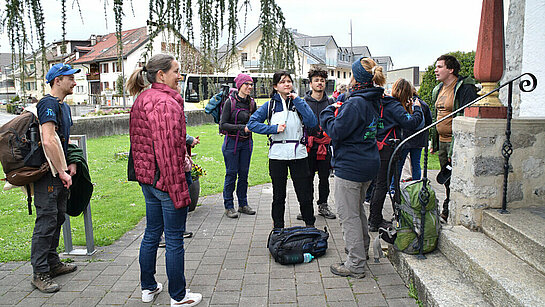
(287, 245)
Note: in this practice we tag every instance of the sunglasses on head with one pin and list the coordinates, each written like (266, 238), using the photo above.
(65, 67)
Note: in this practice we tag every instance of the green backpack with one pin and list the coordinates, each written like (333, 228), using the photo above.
(409, 218)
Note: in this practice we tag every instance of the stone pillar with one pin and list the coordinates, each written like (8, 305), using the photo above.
(477, 175)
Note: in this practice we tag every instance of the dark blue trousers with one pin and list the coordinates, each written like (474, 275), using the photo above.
(237, 164)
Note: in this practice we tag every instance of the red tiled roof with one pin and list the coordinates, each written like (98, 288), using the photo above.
(106, 48)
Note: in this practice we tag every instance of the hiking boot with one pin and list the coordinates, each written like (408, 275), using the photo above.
(45, 283)
(299, 217)
(384, 224)
(246, 210)
(231, 213)
(190, 299)
(341, 270)
(61, 269)
(323, 210)
(149, 295)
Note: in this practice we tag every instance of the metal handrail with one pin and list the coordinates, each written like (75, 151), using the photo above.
(507, 150)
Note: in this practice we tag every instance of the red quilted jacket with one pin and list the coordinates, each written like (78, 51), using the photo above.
(157, 132)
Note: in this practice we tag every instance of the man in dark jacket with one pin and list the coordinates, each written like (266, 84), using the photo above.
(453, 92)
(318, 147)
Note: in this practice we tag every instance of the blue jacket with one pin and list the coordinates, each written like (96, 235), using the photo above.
(256, 122)
(352, 132)
(396, 117)
(422, 139)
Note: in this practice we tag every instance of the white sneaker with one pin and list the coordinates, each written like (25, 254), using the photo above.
(149, 295)
(190, 299)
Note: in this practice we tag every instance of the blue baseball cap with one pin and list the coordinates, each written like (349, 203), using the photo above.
(60, 70)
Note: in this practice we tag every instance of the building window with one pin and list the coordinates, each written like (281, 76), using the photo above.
(338, 74)
(243, 57)
(105, 85)
(344, 74)
(113, 85)
(333, 73)
(104, 68)
(30, 86)
(116, 67)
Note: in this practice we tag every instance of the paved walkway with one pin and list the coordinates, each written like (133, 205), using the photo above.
(226, 260)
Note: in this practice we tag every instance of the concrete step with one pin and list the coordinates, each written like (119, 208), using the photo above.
(521, 232)
(437, 281)
(504, 279)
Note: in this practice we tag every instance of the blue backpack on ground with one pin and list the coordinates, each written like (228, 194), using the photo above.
(215, 104)
(287, 245)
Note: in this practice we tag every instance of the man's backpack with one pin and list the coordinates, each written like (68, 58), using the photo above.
(21, 152)
(215, 104)
(284, 243)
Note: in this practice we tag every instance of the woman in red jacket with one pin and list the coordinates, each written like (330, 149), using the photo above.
(157, 132)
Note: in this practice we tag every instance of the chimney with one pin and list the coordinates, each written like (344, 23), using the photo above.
(93, 40)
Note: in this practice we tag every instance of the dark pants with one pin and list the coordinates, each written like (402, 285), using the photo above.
(50, 197)
(322, 167)
(442, 154)
(379, 194)
(278, 170)
(237, 163)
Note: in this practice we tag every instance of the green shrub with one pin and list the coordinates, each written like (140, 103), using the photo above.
(15, 99)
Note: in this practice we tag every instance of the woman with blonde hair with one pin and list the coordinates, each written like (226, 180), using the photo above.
(352, 126)
(158, 147)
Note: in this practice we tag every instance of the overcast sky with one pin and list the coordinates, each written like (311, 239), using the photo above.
(413, 33)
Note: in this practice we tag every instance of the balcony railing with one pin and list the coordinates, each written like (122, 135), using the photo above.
(93, 76)
(251, 64)
(331, 62)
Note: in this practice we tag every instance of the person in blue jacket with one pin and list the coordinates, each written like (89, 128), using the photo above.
(393, 118)
(352, 127)
(287, 116)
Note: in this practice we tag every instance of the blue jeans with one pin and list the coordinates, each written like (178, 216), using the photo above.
(161, 214)
(237, 163)
(416, 170)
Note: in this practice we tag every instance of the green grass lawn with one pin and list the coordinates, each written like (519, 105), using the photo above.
(118, 205)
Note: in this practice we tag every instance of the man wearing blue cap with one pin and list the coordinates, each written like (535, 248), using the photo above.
(51, 191)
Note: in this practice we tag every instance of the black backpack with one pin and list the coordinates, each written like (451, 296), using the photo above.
(283, 243)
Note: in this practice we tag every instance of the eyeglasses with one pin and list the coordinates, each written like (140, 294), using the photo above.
(248, 84)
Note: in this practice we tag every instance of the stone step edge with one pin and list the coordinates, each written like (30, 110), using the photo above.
(504, 279)
(515, 240)
(436, 280)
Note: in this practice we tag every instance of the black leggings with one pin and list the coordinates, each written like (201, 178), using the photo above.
(381, 188)
(299, 171)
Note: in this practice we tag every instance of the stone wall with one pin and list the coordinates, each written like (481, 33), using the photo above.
(98, 126)
(477, 176)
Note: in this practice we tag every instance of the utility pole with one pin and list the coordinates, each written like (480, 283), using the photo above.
(351, 47)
